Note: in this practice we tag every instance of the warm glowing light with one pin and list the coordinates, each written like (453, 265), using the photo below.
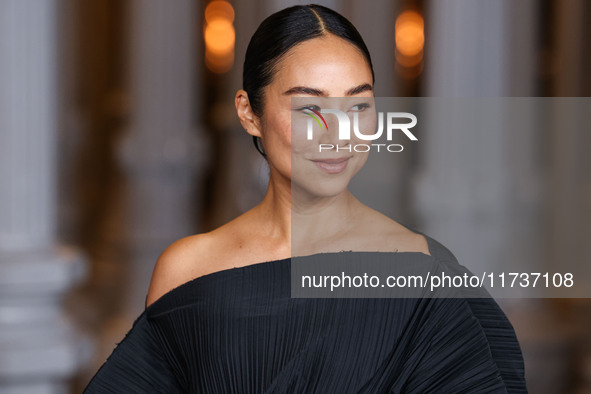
(219, 9)
(219, 36)
(409, 61)
(219, 64)
(410, 33)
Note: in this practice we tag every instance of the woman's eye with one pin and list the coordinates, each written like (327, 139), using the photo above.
(359, 107)
(312, 108)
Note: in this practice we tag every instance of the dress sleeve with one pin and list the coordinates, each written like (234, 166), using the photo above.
(503, 343)
(137, 365)
(452, 353)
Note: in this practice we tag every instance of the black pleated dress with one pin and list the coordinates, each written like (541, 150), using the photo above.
(239, 331)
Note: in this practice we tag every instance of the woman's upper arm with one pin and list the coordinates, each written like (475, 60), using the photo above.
(136, 365)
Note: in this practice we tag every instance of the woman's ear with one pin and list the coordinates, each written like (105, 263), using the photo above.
(248, 119)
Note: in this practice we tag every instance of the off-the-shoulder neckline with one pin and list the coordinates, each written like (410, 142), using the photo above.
(259, 265)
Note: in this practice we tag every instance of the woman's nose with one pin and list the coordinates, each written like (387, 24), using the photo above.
(335, 122)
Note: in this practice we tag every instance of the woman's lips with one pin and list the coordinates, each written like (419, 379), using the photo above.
(332, 166)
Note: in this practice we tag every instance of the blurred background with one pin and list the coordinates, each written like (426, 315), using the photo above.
(118, 135)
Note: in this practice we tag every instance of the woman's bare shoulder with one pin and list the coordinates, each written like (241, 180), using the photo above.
(177, 264)
(194, 256)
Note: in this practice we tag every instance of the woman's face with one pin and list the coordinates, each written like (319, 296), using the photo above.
(323, 73)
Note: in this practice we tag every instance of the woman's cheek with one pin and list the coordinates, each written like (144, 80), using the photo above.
(298, 135)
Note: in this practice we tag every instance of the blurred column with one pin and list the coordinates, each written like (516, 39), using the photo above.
(476, 191)
(458, 197)
(162, 151)
(39, 347)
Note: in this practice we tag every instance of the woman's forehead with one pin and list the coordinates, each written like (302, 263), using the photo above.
(328, 64)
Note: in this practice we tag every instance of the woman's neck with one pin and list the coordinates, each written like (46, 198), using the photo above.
(307, 219)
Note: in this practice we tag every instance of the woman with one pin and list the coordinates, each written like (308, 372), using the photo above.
(219, 317)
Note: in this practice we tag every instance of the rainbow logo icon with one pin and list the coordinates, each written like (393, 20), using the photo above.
(315, 115)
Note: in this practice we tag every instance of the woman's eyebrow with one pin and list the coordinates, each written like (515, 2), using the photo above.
(359, 89)
(321, 93)
(305, 90)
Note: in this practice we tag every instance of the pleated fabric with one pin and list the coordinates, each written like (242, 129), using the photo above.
(239, 331)
(136, 365)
